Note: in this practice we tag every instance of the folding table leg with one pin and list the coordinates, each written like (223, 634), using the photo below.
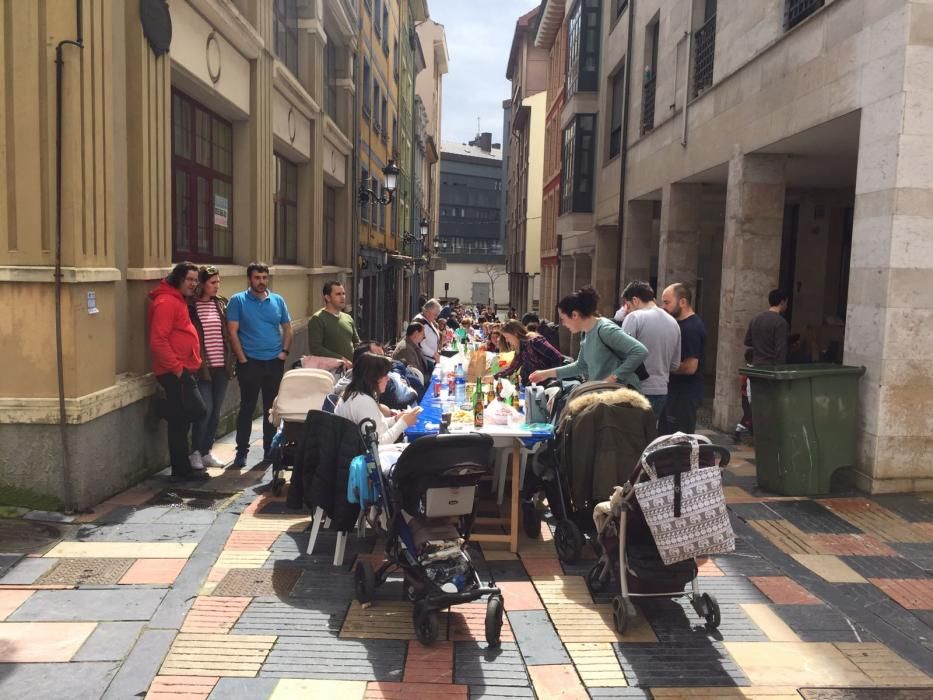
(315, 527)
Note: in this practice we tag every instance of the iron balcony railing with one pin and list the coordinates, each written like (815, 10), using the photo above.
(796, 11)
(647, 107)
(704, 42)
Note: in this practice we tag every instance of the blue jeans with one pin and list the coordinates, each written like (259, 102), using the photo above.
(657, 402)
(212, 391)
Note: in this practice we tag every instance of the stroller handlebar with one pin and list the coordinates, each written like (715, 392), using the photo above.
(722, 452)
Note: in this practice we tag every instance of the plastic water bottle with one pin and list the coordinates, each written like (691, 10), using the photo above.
(521, 398)
(436, 380)
(460, 385)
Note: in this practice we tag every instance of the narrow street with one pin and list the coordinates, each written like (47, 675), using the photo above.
(204, 591)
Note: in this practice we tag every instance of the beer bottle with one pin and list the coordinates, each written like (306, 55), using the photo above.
(499, 389)
(478, 406)
(491, 394)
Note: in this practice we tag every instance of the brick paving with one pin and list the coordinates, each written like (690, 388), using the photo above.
(827, 598)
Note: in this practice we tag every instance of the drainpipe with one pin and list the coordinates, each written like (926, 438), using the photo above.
(624, 153)
(689, 32)
(59, 351)
(354, 203)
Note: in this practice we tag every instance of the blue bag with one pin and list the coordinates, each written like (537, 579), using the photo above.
(359, 487)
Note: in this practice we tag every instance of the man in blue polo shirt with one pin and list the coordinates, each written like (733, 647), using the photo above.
(261, 335)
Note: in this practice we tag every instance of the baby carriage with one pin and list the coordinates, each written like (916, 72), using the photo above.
(565, 477)
(426, 505)
(301, 390)
(630, 552)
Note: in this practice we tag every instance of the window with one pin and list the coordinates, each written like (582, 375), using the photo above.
(620, 6)
(576, 181)
(615, 116)
(394, 134)
(652, 34)
(377, 125)
(382, 209)
(330, 225)
(393, 216)
(202, 182)
(583, 47)
(385, 30)
(796, 11)
(364, 208)
(395, 58)
(377, 24)
(330, 80)
(367, 78)
(285, 28)
(286, 211)
(704, 45)
(384, 119)
(374, 207)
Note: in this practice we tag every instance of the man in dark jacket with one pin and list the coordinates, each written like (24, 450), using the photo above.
(176, 358)
(767, 333)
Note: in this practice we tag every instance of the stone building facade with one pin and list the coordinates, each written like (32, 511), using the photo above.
(755, 145)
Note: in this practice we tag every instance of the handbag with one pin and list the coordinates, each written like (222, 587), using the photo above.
(641, 371)
(686, 512)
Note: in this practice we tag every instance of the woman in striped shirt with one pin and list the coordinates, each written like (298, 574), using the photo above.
(209, 315)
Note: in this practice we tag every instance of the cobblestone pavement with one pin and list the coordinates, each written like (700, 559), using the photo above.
(202, 591)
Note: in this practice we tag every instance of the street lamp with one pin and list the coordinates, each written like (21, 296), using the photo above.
(423, 228)
(391, 173)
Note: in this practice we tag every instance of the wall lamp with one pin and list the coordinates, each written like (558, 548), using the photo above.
(391, 172)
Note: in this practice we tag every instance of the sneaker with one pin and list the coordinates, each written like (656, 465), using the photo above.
(196, 463)
(190, 475)
(209, 460)
(239, 462)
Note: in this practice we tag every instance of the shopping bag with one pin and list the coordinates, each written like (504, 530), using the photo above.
(476, 369)
(686, 512)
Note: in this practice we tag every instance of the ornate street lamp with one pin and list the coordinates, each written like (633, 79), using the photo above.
(391, 173)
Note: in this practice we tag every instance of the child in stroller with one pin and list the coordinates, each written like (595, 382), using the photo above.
(426, 505)
(630, 554)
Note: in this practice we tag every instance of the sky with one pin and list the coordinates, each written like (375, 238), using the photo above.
(479, 35)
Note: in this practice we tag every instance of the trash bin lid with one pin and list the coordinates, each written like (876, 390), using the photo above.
(806, 371)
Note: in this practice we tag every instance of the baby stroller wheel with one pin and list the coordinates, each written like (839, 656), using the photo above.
(713, 615)
(568, 540)
(365, 581)
(410, 592)
(426, 625)
(620, 614)
(494, 610)
(531, 521)
(594, 579)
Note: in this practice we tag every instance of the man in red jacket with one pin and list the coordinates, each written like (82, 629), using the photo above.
(176, 358)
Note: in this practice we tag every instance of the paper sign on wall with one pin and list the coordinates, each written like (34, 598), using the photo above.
(221, 209)
(92, 303)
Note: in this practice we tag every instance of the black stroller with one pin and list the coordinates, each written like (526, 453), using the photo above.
(426, 505)
(629, 551)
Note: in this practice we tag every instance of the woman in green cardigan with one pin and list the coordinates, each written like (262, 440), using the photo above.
(607, 353)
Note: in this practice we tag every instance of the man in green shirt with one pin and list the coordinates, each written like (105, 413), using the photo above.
(331, 332)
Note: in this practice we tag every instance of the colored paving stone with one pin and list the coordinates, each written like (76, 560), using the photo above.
(56, 681)
(885, 567)
(214, 614)
(597, 664)
(216, 654)
(381, 690)
(736, 494)
(144, 533)
(731, 589)
(176, 687)
(819, 623)
(537, 639)
(797, 664)
(302, 689)
(812, 517)
(652, 665)
(468, 623)
(864, 693)
(10, 600)
(110, 641)
(861, 545)
(273, 523)
(877, 520)
(542, 567)
(770, 623)
(753, 511)
(557, 682)
(913, 507)
(433, 664)
(509, 570)
(474, 664)
(331, 658)
(243, 689)
(73, 572)
(123, 550)
(242, 559)
(42, 642)
(706, 567)
(920, 554)
(883, 666)
(785, 536)
(384, 620)
(674, 621)
(784, 591)
(27, 571)
(725, 693)
(93, 604)
(913, 594)
(830, 568)
(257, 582)
(250, 540)
(520, 595)
(154, 571)
(293, 619)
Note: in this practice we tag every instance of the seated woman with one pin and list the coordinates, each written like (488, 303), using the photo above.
(607, 353)
(532, 351)
(494, 339)
(360, 399)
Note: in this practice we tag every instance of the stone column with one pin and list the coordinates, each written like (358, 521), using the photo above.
(635, 259)
(889, 321)
(751, 264)
(604, 268)
(681, 212)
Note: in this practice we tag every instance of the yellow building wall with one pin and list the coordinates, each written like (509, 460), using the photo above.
(536, 146)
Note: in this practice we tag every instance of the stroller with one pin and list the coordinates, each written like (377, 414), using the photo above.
(301, 390)
(554, 471)
(629, 550)
(426, 506)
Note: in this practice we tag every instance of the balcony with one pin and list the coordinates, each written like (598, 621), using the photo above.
(796, 11)
(647, 106)
(704, 43)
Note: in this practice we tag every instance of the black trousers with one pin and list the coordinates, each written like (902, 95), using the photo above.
(255, 376)
(178, 422)
(680, 413)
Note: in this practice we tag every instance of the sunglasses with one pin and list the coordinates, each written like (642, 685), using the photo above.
(209, 270)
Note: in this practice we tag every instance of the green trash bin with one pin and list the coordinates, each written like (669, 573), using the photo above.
(805, 419)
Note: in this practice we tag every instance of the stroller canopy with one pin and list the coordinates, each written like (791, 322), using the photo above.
(301, 390)
(445, 455)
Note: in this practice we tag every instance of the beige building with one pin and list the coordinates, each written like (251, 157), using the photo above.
(231, 143)
(776, 143)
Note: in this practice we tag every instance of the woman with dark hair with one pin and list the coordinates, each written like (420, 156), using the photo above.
(208, 311)
(607, 353)
(532, 351)
(360, 400)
